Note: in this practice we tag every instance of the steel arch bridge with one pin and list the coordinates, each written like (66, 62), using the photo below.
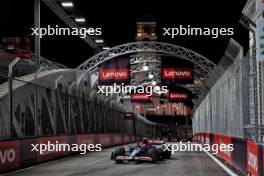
(202, 65)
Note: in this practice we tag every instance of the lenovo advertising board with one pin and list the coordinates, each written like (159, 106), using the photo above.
(115, 71)
(176, 71)
(252, 158)
(140, 97)
(226, 140)
(177, 97)
(9, 155)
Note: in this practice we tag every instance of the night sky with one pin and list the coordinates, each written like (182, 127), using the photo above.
(118, 23)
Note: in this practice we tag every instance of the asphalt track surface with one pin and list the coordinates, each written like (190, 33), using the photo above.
(99, 164)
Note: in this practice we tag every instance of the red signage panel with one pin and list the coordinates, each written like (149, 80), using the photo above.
(252, 158)
(222, 143)
(54, 147)
(178, 96)
(114, 74)
(85, 139)
(105, 140)
(115, 71)
(9, 155)
(177, 73)
(140, 97)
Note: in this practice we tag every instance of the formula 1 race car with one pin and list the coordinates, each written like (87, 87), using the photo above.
(159, 144)
(141, 152)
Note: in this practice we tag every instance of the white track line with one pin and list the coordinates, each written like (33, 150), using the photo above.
(223, 166)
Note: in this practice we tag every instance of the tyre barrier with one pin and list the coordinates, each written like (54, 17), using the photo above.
(247, 156)
(17, 154)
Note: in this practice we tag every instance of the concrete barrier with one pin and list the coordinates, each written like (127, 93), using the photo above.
(17, 154)
(247, 156)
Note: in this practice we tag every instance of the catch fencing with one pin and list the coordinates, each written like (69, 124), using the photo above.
(39, 110)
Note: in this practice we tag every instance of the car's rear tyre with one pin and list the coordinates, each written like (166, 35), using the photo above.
(166, 154)
(160, 154)
(153, 154)
(118, 152)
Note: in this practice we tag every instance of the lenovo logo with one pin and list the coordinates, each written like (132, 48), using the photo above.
(110, 74)
(139, 97)
(7, 156)
(178, 96)
(172, 73)
(253, 161)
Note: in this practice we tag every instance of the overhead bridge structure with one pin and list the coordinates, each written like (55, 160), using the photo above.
(66, 102)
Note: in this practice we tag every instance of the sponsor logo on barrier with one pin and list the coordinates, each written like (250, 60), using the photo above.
(223, 142)
(7, 155)
(252, 158)
(226, 152)
(253, 161)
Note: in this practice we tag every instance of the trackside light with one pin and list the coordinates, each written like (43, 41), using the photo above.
(150, 75)
(80, 20)
(145, 67)
(99, 41)
(106, 48)
(112, 54)
(67, 4)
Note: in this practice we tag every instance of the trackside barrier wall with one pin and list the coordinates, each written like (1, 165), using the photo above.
(16, 154)
(247, 156)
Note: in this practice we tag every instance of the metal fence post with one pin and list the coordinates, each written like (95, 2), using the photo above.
(10, 82)
(37, 60)
(70, 111)
(55, 101)
(36, 112)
